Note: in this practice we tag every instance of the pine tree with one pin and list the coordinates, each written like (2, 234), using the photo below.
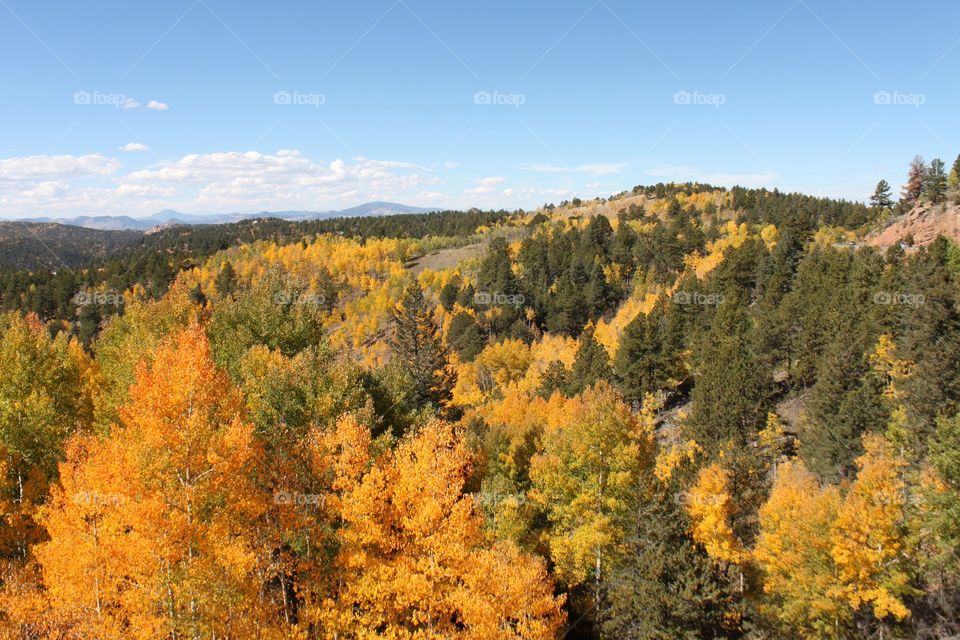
(555, 377)
(418, 346)
(465, 336)
(647, 359)
(731, 396)
(935, 182)
(881, 196)
(845, 403)
(953, 179)
(932, 341)
(943, 514)
(913, 188)
(591, 364)
(226, 282)
(449, 293)
(666, 586)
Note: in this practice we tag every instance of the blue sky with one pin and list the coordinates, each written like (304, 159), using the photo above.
(212, 105)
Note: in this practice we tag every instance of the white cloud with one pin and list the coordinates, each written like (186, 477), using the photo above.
(130, 103)
(144, 190)
(134, 146)
(43, 168)
(594, 169)
(159, 106)
(486, 185)
(237, 180)
(250, 181)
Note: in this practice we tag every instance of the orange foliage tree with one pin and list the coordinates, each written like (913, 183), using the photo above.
(414, 561)
(151, 532)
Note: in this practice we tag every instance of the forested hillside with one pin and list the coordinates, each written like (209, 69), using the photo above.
(36, 245)
(678, 412)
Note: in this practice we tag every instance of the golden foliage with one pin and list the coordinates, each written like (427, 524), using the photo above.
(869, 542)
(412, 559)
(794, 554)
(711, 510)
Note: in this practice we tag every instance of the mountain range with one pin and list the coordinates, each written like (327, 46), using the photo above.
(169, 216)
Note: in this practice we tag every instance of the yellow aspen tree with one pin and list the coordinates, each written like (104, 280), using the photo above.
(869, 543)
(586, 479)
(46, 396)
(414, 561)
(153, 533)
(711, 510)
(793, 550)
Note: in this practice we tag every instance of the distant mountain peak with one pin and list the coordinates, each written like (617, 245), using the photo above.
(172, 216)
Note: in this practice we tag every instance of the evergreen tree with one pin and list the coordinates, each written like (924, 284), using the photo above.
(418, 346)
(496, 272)
(945, 516)
(953, 179)
(881, 196)
(449, 293)
(599, 293)
(914, 185)
(845, 403)
(590, 365)
(666, 586)
(555, 378)
(732, 393)
(932, 342)
(935, 182)
(465, 336)
(197, 296)
(226, 282)
(647, 359)
(569, 311)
